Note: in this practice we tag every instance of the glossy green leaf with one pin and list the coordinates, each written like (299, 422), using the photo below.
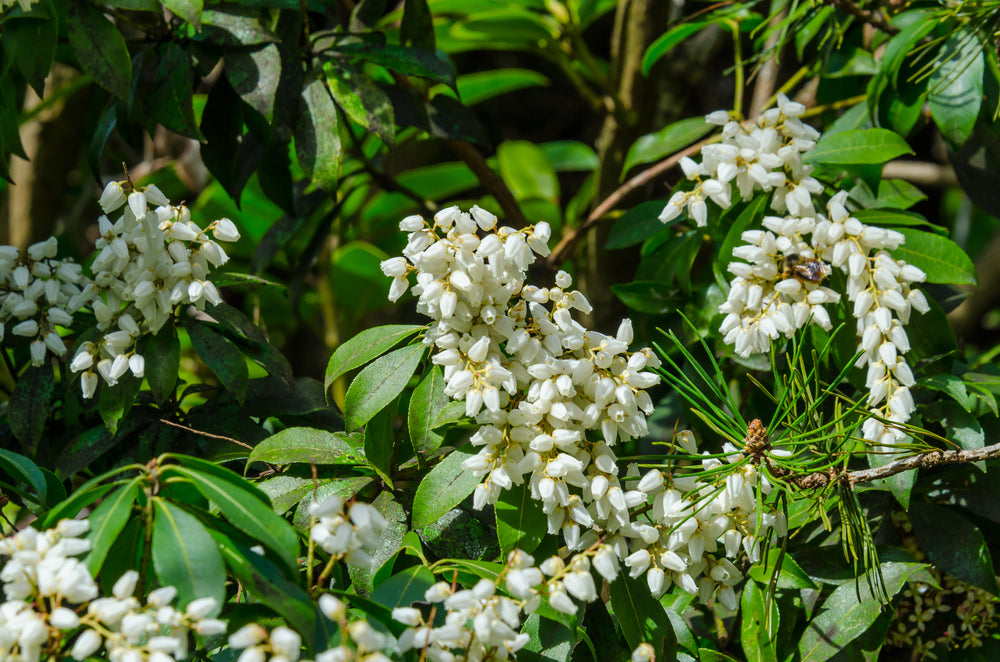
(667, 41)
(404, 60)
(185, 556)
(22, 469)
(668, 140)
(28, 407)
(844, 617)
(898, 194)
(189, 10)
(939, 257)
(361, 99)
(482, 86)
(379, 384)
(444, 487)
(550, 641)
(791, 575)
(953, 544)
(641, 616)
(115, 402)
(364, 347)
(222, 357)
(426, 403)
(169, 98)
(858, 146)
(521, 524)
(254, 76)
(404, 588)
(893, 218)
(100, 48)
(380, 441)
(236, 25)
(307, 445)
(246, 511)
(107, 522)
(527, 172)
(163, 356)
(570, 156)
(758, 624)
(317, 140)
(33, 43)
(637, 224)
(956, 85)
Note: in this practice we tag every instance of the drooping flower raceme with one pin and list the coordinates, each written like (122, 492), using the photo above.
(552, 398)
(778, 288)
(53, 604)
(151, 260)
(38, 295)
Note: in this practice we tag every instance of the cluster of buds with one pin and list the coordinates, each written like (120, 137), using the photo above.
(39, 294)
(779, 288)
(53, 604)
(151, 260)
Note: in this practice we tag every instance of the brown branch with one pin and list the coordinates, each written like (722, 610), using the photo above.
(492, 182)
(561, 251)
(934, 458)
(205, 434)
(922, 173)
(874, 18)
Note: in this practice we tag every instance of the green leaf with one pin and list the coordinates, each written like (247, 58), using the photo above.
(483, 86)
(254, 76)
(956, 86)
(239, 503)
(379, 383)
(893, 218)
(33, 43)
(637, 225)
(668, 140)
(236, 26)
(550, 641)
(417, 26)
(791, 576)
(570, 156)
(29, 405)
(758, 624)
(667, 41)
(404, 588)
(953, 386)
(361, 99)
(163, 357)
(222, 357)
(939, 257)
(647, 296)
(21, 468)
(527, 172)
(404, 60)
(641, 616)
(317, 140)
(380, 441)
(953, 544)
(858, 146)
(307, 445)
(521, 523)
(115, 402)
(844, 617)
(453, 412)
(898, 194)
(426, 403)
(107, 522)
(444, 487)
(185, 556)
(100, 48)
(189, 10)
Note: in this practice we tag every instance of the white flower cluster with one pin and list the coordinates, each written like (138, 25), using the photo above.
(346, 535)
(38, 294)
(779, 288)
(696, 525)
(766, 156)
(360, 642)
(152, 259)
(481, 625)
(53, 604)
(531, 376)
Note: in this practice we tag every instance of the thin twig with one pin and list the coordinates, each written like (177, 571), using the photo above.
(567, 243)
(933, 458)
(205, 434)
